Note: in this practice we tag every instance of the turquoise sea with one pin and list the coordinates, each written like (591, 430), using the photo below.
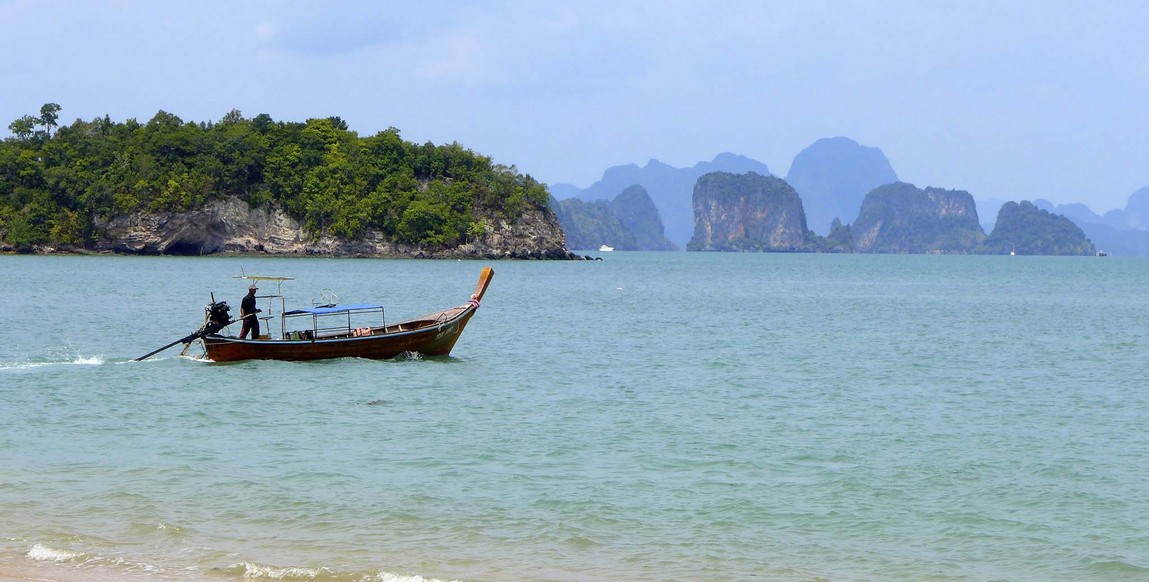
(653, 416)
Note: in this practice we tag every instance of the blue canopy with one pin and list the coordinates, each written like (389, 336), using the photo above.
(333, 309)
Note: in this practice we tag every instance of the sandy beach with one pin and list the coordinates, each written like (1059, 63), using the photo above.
(37, 573)
(10, 577)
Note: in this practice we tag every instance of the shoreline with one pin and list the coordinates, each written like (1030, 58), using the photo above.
(569, 256)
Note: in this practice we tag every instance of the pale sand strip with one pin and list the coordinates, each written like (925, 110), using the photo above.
(14, 576)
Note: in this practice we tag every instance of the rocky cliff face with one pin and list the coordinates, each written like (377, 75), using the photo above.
(901, 218)
(747, 212)
(230, 226)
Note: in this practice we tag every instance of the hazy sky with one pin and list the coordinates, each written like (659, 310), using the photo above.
(1014, 100)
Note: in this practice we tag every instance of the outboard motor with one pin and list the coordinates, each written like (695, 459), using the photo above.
(217, 318)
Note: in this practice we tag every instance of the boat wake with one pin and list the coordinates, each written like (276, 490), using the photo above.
(78, 360)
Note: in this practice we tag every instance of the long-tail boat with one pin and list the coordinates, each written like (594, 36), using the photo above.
(333, 331)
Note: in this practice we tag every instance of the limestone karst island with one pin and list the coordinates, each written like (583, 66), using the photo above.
(260, 186)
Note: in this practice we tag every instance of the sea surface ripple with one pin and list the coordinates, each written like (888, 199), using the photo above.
(651, 416)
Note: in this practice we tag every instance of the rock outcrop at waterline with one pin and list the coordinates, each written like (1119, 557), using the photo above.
(747, 212)
(902, 218)
(230, 226)
(1023, 228)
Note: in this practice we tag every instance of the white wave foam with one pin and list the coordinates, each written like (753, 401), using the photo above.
(45, 554)
(389, 577)
(169, 528)
(251, 570)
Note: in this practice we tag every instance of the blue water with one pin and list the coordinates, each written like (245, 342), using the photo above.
(654, 416)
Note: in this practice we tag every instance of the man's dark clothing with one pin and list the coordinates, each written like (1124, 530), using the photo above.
(247, 307)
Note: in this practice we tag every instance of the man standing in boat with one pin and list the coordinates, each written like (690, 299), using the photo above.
(247, 312)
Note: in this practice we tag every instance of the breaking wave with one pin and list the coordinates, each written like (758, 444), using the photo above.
(250, 570)
(42, 553)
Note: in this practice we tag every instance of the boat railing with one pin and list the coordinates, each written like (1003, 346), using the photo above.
(276, 307)
(334, 321)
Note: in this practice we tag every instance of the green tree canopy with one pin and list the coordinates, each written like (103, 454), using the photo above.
(58, 182)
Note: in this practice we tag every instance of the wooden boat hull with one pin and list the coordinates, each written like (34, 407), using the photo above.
(429, 338)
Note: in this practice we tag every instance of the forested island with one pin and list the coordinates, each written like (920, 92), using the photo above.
(105, 185)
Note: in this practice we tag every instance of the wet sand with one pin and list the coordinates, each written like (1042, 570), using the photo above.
(10, 574)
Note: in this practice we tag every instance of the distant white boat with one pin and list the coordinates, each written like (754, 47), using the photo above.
(606, 248)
